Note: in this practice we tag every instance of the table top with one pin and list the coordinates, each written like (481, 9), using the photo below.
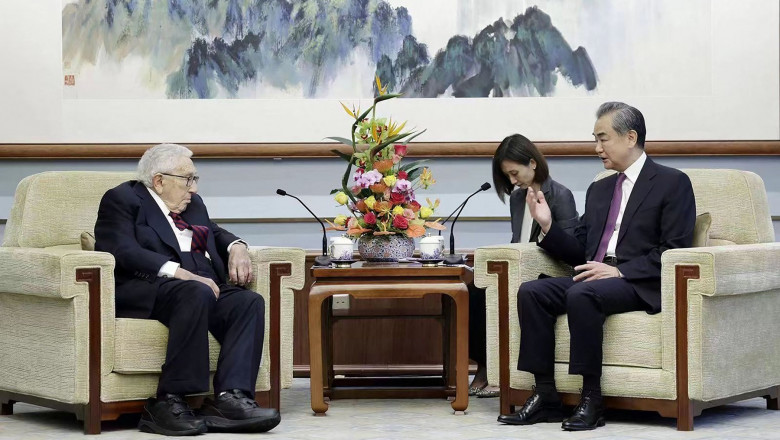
(365, 269)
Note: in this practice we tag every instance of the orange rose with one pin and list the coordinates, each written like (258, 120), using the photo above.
(383, 165)
(378, 188)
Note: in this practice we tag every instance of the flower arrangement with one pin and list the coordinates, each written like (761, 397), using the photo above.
(381, 194)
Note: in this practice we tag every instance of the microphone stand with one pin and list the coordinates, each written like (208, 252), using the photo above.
(320, 260)
(453, 259)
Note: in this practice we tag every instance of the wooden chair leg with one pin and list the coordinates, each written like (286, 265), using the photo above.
(91, 422)
(684, 415)
(772, 401)
(7, 408)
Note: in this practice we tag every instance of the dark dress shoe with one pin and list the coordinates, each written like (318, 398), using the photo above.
(535, 410)
(170, 415)
(234, 411)
(588, 415)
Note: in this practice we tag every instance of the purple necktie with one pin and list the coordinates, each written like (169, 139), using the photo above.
(614, 210)
(199, 233)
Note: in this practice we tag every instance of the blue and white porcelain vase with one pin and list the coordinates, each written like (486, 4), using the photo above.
(385, 248)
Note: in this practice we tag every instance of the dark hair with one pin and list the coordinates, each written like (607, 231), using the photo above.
(519, 149)
(625, 118)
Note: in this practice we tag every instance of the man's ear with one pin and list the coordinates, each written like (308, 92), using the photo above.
(632, 137)
(157, 183)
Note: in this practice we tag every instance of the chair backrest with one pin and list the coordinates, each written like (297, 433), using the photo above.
(736, 201)
(53, 208)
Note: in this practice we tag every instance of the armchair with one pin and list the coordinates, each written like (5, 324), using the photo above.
(61, 345)
(713, 342)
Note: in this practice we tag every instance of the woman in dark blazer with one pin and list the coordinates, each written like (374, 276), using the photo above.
(517, 165)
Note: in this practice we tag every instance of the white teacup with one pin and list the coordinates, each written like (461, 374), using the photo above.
(341, 248)
(431, 247)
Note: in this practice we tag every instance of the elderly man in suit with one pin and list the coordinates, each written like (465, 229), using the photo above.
(630, 219)
(173, 265)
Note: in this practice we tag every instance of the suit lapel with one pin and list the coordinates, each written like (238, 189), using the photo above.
(155, 217)
(517, 203)
(644, 183)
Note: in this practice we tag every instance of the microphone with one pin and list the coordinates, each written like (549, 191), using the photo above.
(485, 186)
(320, 260)
(452, 258)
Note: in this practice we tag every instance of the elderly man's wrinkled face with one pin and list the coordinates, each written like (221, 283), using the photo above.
(172, 186)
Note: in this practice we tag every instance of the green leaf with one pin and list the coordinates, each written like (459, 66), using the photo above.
(334, 191)
(379, 99)
(414, 174)
(408, 167)
(345, 156)
(342, 140)
(365, 193)
(388, 141)
(415, 135)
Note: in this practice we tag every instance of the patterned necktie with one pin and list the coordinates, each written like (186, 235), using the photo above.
(614, 210)
(199, 233)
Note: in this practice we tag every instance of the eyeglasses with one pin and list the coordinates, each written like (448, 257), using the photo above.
(190, 179)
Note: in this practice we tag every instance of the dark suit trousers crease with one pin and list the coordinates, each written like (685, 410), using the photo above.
(190, 310)
(587, 305)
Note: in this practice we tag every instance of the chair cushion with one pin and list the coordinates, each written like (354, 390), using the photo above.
(87, 241)
(630, 339)
(140, 346)
(701, 230)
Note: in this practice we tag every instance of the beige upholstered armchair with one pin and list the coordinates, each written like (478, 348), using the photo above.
(60, 343)
(715, 340)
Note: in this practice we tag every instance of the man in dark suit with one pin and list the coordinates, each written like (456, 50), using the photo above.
(630, 219)
(173, 265)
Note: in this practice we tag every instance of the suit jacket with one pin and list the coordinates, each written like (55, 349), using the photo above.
(562, 206)
(131, 227)
(660, 215)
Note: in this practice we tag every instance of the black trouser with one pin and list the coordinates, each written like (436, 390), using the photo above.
(477, 323)
(190, 310)
(587, 305)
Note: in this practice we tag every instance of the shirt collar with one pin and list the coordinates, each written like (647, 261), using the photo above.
(632, 172)
(159, 201)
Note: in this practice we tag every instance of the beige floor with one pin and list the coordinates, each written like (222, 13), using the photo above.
(419, 419)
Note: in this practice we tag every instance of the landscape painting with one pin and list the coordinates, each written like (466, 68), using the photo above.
(206, 49)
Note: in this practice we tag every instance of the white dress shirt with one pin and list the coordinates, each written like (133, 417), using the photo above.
(632, 173)
(525, 227)
(183, 237)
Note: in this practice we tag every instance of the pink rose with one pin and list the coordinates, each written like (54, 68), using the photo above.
(370, 218)
(400, 222)
(400, 149)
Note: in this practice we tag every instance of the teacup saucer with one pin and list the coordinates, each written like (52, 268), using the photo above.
(342, 263)
(429, 262)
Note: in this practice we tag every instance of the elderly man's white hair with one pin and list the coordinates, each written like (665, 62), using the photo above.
(162, 158)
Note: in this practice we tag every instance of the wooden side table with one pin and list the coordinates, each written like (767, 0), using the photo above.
(382, 281)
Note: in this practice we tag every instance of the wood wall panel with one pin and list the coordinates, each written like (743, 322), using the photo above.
(417, 149)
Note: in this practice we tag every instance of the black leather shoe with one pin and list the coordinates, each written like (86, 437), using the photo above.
(170, 415)
(588, 415)
(535, 410)
(234, 411)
